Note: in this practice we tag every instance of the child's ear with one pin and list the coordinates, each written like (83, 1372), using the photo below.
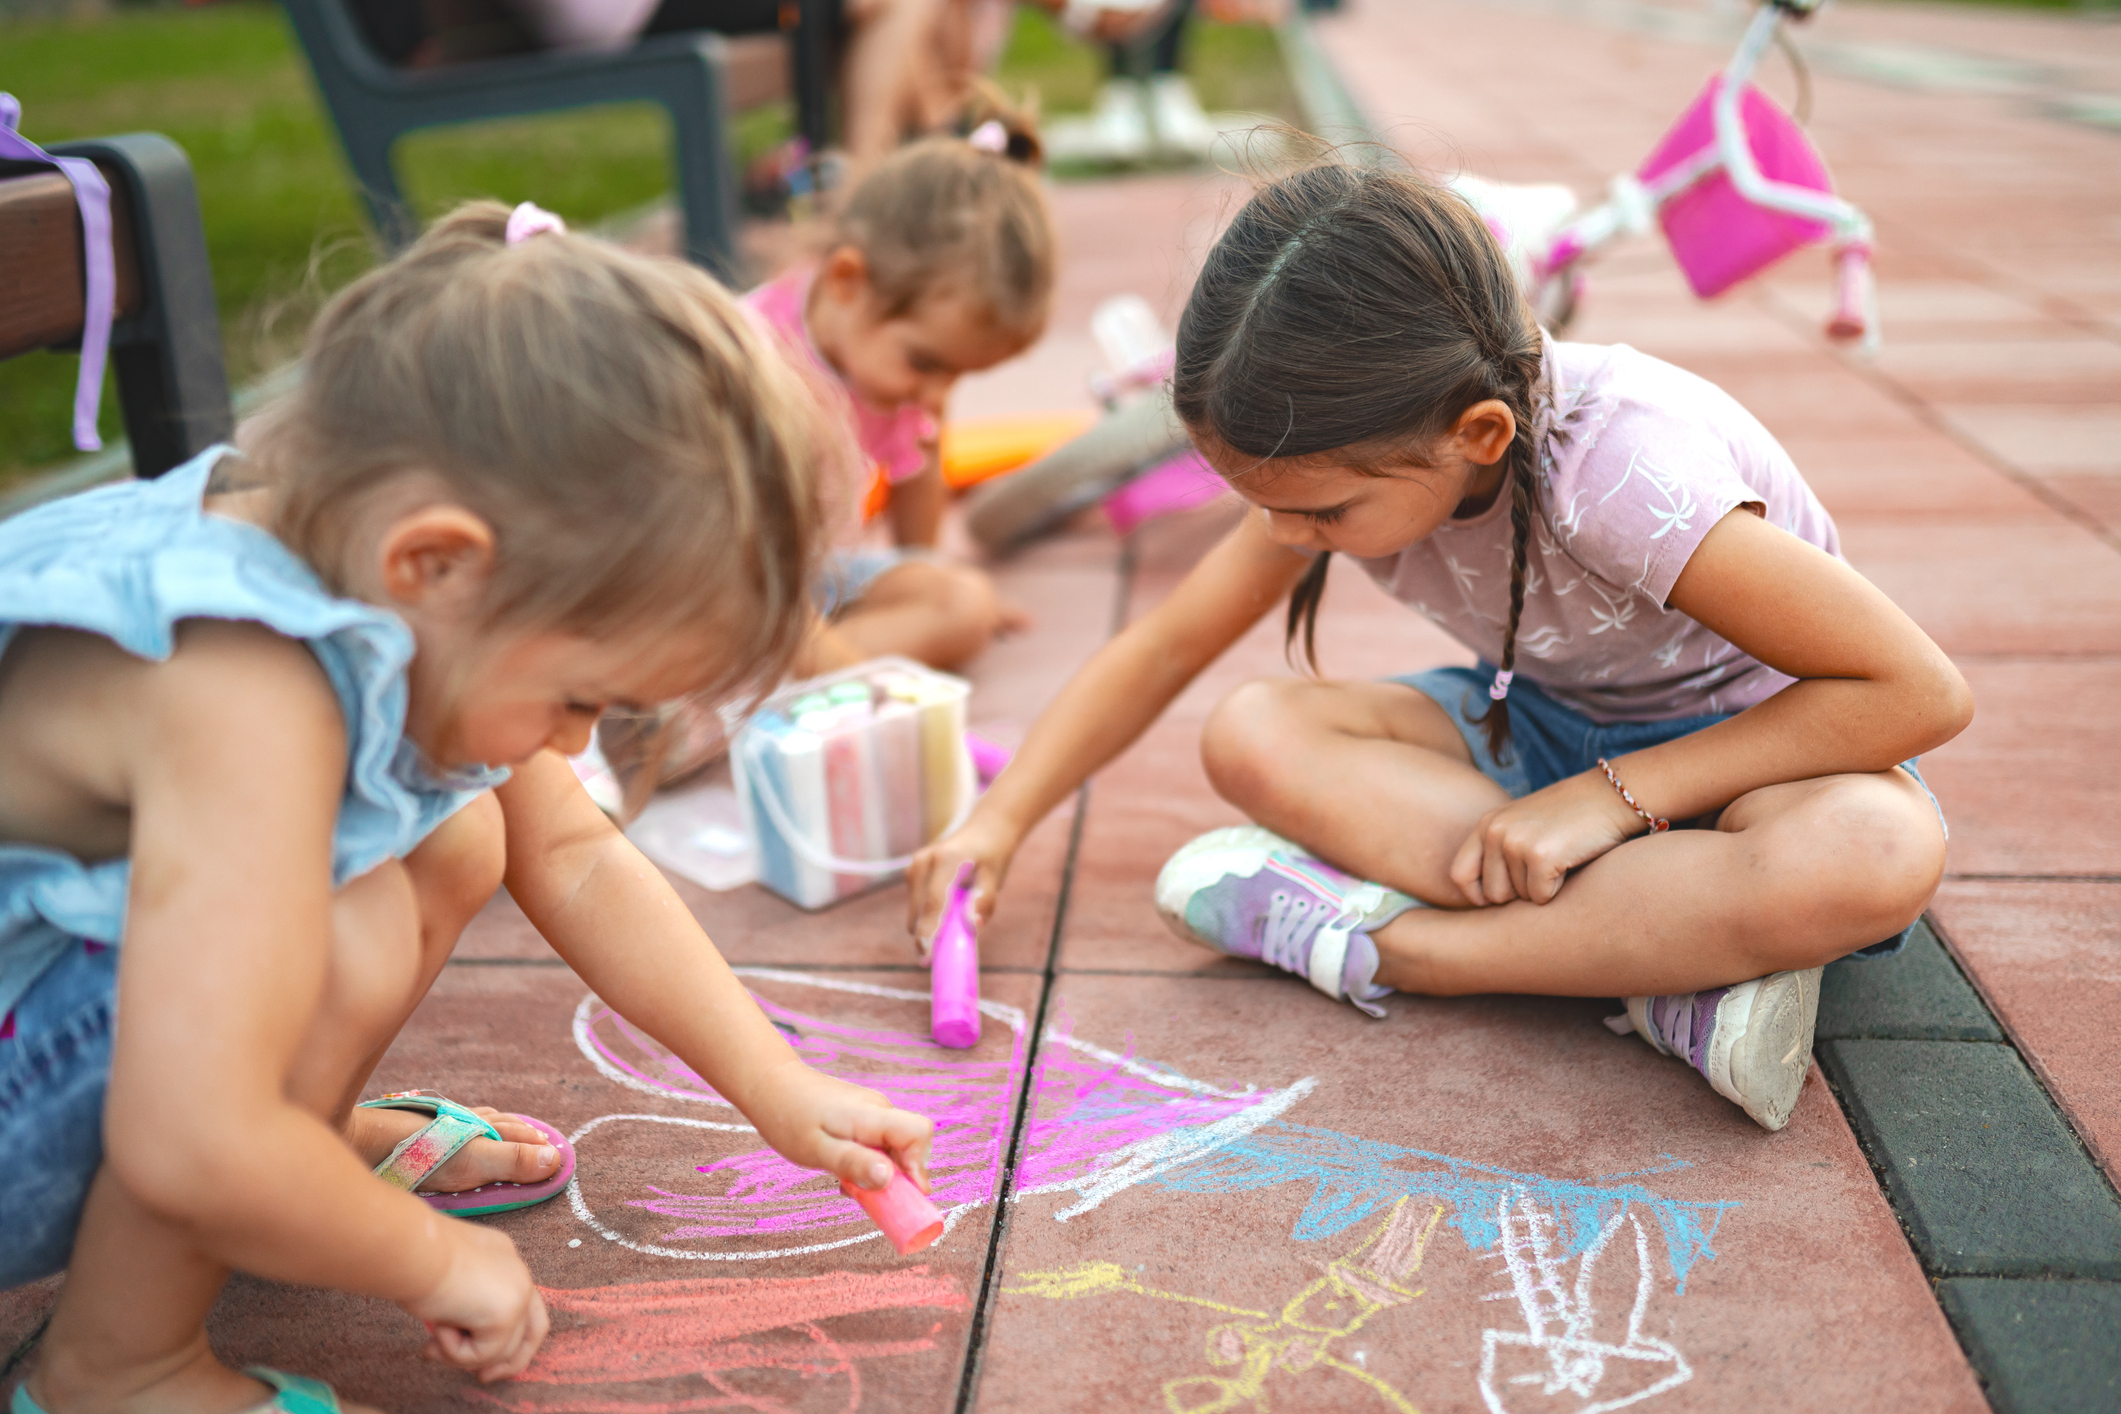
(1485, 430)
(846, 273)
(437, 558)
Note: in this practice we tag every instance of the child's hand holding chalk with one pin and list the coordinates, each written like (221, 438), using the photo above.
(853, 1133)
(901, 1209)
(986, 844)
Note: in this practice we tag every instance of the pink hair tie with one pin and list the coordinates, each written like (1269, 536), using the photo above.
(1500, 688)
(990, 136)
(530, 219)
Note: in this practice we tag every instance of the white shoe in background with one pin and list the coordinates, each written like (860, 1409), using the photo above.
(1175, 114)
(1120, 123)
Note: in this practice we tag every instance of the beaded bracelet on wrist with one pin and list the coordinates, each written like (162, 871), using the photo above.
(1657, 826)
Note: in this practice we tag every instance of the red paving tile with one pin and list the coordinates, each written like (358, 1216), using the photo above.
(2048, 958)
(2032, 588)
(2066, 367)
(2028, 787)
(746, 1286)
(1910, 477)
(1340, 1249)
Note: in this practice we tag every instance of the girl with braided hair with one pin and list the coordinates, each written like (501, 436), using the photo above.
(1682, 772)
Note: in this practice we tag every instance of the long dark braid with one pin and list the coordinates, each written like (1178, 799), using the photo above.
(1357, 313)
(1523, 506)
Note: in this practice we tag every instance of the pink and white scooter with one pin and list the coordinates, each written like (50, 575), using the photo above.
(1736, 186)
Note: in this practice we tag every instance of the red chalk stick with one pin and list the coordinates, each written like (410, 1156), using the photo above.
(908, 1219)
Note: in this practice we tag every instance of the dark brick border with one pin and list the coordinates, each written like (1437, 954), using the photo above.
(2014, 1223)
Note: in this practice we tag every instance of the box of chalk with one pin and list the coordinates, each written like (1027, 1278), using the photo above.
(843, 777)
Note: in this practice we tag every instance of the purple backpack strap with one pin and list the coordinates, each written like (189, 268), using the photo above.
(92, 195)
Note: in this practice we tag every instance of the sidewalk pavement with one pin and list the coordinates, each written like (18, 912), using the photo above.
(1222, 1191)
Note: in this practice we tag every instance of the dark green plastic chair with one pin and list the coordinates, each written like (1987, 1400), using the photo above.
(374, 103)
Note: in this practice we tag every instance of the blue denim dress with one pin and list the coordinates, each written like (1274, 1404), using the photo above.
(131, 561)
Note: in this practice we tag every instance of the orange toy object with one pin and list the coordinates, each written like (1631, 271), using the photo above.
(979, 448)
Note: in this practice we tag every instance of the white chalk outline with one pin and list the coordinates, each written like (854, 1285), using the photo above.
(1126, 1166)
(1575, 1361)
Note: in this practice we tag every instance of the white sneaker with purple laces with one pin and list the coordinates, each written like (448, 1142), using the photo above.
(1248, 892)
(1753, 1042)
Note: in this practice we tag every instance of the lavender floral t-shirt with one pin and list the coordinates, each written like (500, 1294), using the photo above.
(1638, 460)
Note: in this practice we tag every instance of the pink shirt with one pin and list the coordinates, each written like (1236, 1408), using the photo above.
(896, 440)
(1637, 460)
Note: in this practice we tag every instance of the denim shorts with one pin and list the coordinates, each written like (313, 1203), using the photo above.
(1551, 741)
(54, 1070)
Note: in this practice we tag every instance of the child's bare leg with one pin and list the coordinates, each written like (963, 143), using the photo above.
(935, 613)
(128, 1333)
(1327, 764)
(448, 879)
(1792, 877)
(1376, 779)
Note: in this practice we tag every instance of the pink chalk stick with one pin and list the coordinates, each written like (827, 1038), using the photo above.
(908, 1219)
(1179, 484)
(953, 971)
(988, 757)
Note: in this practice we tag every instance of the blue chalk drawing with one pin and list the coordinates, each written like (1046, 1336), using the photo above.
(1354, 1177)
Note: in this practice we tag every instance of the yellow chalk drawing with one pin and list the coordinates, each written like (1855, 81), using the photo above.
(1373, 1277)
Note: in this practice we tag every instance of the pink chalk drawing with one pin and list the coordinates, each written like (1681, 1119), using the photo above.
(767, 1344)
(1101, 1121)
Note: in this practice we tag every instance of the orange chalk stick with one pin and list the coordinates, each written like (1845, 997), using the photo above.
(908, 1219)
(975, 449)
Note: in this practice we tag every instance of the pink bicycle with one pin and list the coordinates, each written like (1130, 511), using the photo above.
(1736, 186)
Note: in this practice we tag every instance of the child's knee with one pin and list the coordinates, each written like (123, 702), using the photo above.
(457, 869)
(1872, 849)
(1237, 746)
(966, 608)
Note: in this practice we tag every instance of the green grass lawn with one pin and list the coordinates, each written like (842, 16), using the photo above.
(228, 84)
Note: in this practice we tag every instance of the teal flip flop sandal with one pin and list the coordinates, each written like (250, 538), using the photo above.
(293, 1394)
(435, 1143)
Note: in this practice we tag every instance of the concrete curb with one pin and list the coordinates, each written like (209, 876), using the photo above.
(2015, 1224)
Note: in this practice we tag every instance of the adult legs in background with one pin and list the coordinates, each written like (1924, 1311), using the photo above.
(1376, 779)
(1147, 105)
(889, 71)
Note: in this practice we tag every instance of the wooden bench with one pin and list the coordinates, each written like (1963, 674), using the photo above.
(165, 345)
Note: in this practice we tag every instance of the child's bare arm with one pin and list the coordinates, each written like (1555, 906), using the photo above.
(917, 503)
(1872, 691)
(623, 929)
(1112, 700)
(233, 755)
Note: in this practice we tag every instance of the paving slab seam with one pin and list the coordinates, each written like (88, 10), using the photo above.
(2012, 1217)
(2037, 878)
(2058, 307)
(2059, 656)
(998, 1234)
(1004, 1206)
(1783, 309)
